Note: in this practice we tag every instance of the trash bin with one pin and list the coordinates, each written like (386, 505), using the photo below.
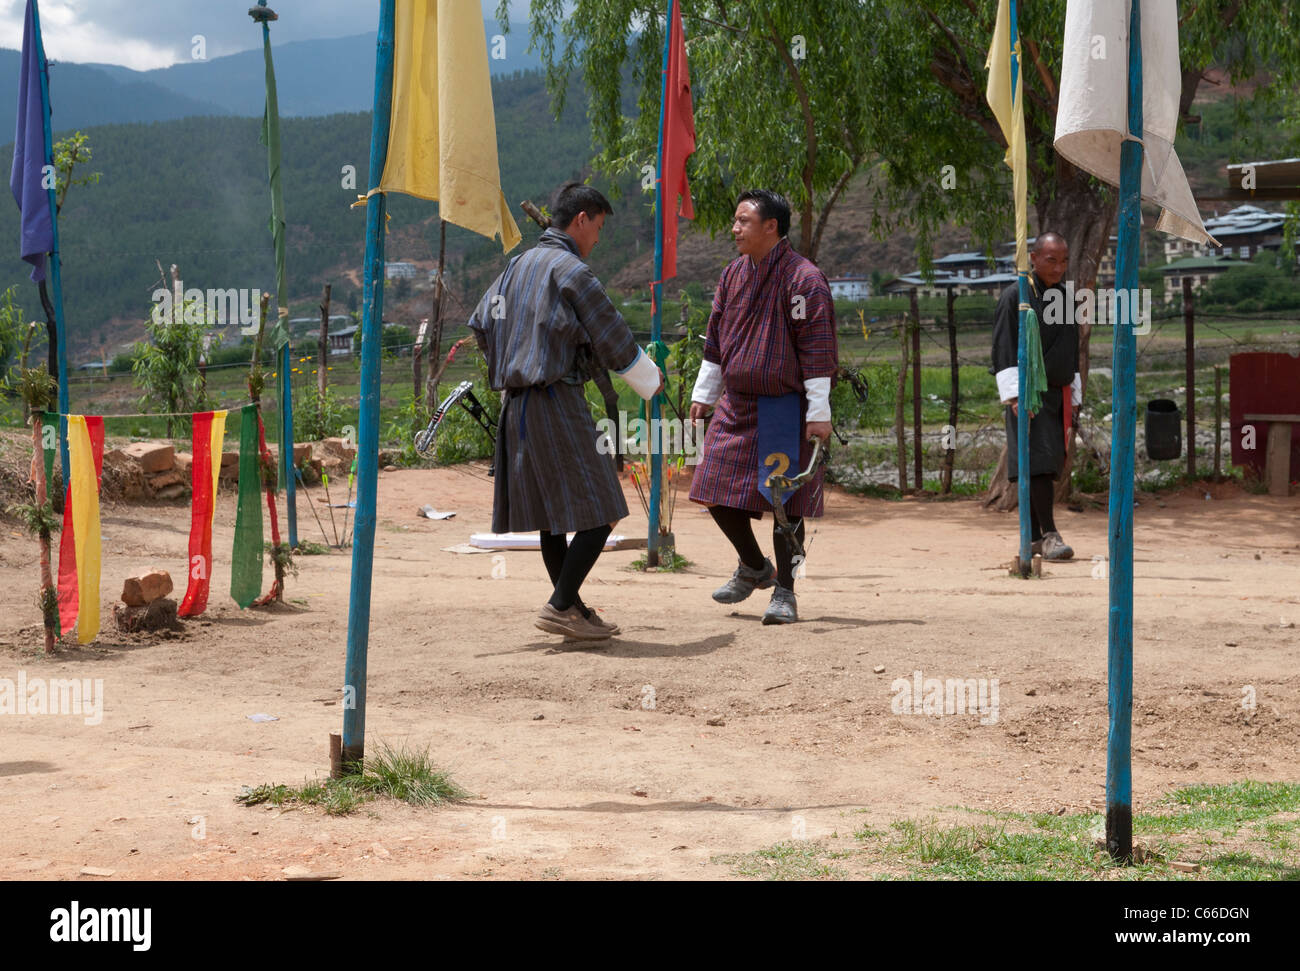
(1164, 430)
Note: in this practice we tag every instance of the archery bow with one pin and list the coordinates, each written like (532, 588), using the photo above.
(464, 396)
(781, 486)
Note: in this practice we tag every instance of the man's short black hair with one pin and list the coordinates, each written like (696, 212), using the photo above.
(575, 197)
(771, 205)
(1048, 237)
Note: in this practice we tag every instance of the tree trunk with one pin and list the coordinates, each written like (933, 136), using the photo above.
(918, 482)
(323, 352)
(49, 598)
(435, 354)
(1083, 213)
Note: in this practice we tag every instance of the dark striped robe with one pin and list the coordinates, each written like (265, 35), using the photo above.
(767, 342)
(531, 325)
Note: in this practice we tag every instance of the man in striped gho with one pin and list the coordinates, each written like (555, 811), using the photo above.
(544, 316)
(771, 334)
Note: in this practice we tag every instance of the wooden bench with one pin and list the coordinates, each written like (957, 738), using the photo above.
(1277, 459)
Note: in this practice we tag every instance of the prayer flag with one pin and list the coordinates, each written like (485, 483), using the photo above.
(69, 599)
(678, 140)
(246, 557)
(32, 152)
(442, 141)
(86, 454)
(209, 433)
(1092, 119)
(1005, 99)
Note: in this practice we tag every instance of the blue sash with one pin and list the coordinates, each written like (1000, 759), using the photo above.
(780, 438)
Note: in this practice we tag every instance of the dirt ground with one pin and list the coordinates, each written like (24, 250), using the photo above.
(698, 732)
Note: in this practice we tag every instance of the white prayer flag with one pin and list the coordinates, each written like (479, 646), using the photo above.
(1092, 118)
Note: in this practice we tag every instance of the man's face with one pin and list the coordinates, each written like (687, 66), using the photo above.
(1050, 261)
(753, 236)
(586, 232)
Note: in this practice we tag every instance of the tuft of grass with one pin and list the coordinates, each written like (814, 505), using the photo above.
(396, 773)
(678, 564)
(308, 548)
(791, 860)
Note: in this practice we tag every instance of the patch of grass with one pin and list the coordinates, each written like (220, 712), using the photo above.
(308, 548)
(791, 860)
(678, 564)
(397, 773)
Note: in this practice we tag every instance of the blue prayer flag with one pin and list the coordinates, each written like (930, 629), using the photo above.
(32, 152)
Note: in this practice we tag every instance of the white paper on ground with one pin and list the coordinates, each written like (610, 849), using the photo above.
(523, 541)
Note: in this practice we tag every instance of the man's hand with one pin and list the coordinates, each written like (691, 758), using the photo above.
(700, 411)
(1015, 407)
(818, 429)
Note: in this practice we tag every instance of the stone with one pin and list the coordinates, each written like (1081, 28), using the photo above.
(337, 447)
(151, 456)
(182, 464)
(170, 492)
(96, 871)
(144, 588)
(155, 616)
(161, 480)
(390, 468)
(301, 453)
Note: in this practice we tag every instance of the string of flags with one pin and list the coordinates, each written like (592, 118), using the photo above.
(80, 552)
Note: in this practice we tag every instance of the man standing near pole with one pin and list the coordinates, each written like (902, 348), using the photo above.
(532, 325)
(770, 351)
(1059, 333)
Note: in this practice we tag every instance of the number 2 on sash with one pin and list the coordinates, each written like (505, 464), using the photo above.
(782, 463)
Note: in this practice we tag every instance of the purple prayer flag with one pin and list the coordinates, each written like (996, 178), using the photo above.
(31, 153)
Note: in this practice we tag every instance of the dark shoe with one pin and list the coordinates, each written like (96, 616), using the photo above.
(1036, 548)
(744, 582)
(1054, 547)
(601, 623)
(782, 609)
(570, 623)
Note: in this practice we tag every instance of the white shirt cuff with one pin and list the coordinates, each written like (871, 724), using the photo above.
(1008, 383)
(708, 384)
(642, 375)
(818, 391)
(1076, 390)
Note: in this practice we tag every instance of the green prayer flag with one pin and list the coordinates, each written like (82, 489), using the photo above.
(48, 420)
(271, 139)
(246, 558)
(1035, 369)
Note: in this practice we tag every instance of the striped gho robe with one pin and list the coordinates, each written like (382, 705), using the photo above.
(534, 324)
(766, 342)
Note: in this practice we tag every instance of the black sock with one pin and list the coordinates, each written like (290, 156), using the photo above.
(1041, 489)
(785, 555)
(738, 527)
(554, 548)
(578, 561)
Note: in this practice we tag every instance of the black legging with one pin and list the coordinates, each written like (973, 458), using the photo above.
(1041, 492)
(738, 526)
(573, 562)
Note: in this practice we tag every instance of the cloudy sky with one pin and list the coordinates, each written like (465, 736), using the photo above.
(145, 34)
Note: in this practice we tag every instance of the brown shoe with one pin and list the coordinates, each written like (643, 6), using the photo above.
(570, 623)
(1054, 547)
(601, 623)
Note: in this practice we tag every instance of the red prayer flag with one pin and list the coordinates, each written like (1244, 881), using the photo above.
(677, 140)
(201, 515)
(69, 597)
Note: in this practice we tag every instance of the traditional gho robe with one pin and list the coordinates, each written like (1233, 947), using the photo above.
(1059, 331)
(771, 332)
(538, 325)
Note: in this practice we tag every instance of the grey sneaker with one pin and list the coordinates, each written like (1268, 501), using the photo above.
(744, 582)
(570, 623)
(782, 609)
(1054, 547)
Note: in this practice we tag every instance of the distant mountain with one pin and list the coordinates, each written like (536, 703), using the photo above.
(315, 77)
(83, 96)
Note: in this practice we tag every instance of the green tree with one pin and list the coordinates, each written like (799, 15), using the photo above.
(166, 366)
(68, 154)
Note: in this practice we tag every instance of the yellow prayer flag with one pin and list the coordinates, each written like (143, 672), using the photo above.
(442, 141)
(85, 526)
(218, 440)
(1008, 109)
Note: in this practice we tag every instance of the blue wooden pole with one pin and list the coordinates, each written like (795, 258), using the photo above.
(1022, 361)
(363, 536)
(56, 270)
(657, 301)
(1119, 754)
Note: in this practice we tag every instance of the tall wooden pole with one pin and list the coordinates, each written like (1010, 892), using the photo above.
(917, 482)
(323, 352)
(1119, 747)
(363, 536)
(953, 395)
(1189, 326)
(1023, 470)
(899, 428)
